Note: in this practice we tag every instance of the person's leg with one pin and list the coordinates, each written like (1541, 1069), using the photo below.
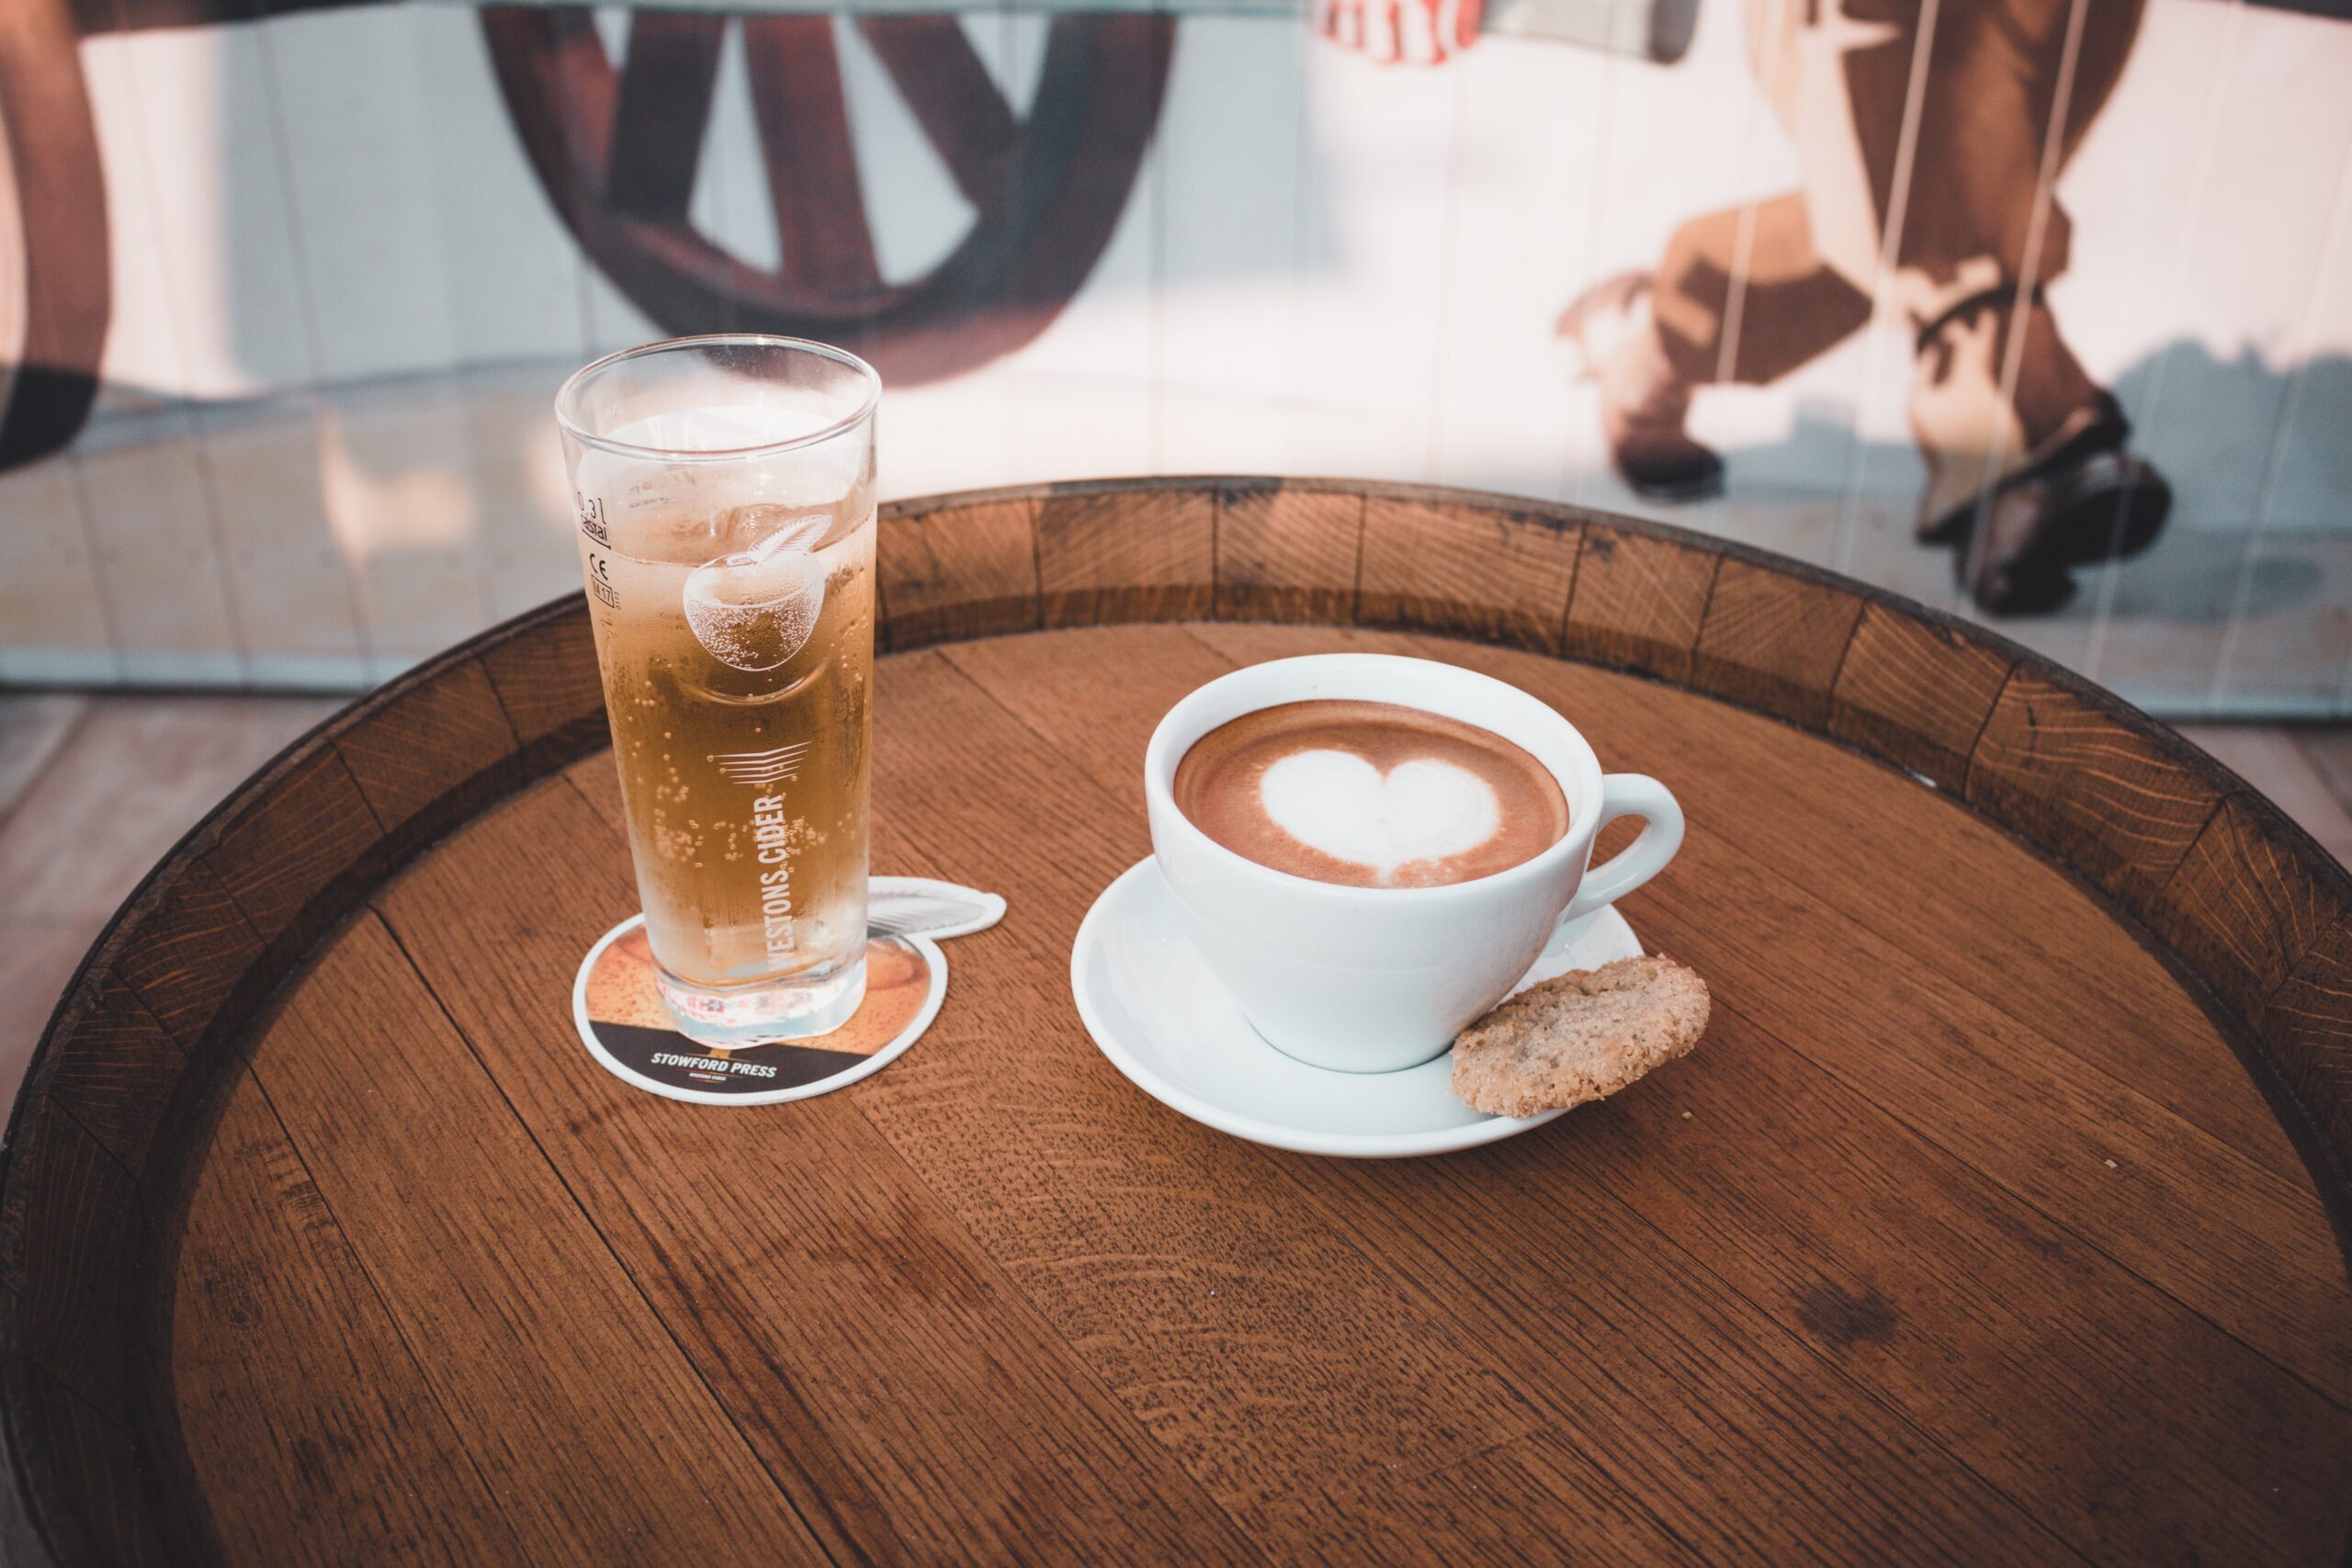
(1969, 429)
(2030, 484)
(2024, 450)
(1650, 341)
(1793, 307)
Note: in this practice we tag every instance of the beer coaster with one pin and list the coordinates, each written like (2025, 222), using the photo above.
(625, 1026)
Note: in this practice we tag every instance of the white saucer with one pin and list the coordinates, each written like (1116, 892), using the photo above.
(1155, 1010)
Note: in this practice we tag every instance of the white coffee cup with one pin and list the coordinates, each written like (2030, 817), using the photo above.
(1373, 979)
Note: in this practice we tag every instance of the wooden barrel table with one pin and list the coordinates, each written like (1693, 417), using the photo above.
(1990, 1223)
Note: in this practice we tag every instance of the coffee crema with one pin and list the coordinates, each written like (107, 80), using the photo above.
(1370, 795)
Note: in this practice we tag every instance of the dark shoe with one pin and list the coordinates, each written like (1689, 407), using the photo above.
(2098, 426)
(1642, 402)
(2094, 506)
(1660, 463)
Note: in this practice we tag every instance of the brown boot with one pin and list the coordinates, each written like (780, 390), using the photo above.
(1642, 402)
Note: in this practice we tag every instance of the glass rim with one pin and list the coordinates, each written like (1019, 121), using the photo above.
(568, 395)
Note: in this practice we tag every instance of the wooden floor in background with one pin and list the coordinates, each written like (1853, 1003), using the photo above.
(94, 789)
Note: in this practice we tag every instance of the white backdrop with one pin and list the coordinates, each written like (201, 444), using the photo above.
(341, 303)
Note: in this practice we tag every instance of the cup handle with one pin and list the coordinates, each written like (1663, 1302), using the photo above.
(1629, 795)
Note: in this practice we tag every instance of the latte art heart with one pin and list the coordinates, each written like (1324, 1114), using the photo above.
(1338, 804)
(1365, 794)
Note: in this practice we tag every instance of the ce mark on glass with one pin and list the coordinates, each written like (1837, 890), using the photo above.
(600, 581)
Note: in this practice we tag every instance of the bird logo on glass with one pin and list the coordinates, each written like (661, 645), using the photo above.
(761, 768)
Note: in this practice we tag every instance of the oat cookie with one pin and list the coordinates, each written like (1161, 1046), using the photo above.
(1582, 1036)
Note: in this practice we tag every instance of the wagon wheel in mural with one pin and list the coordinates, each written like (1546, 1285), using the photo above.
(616, 151)
(54, 299)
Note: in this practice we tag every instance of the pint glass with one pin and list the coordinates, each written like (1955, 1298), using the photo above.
(725, 489)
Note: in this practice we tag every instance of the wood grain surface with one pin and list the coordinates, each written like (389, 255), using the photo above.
(1774, 642)
(1638, 600)
(2056, 766)
(1916, 694)
(1111, 555)
(1503, 574)
(959, 571)
(1285, 553)
(1989, 1224)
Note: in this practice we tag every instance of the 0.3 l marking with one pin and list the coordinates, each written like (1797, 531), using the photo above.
(592, 517)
